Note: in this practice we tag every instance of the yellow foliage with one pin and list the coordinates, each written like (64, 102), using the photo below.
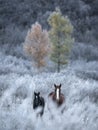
(60, 35)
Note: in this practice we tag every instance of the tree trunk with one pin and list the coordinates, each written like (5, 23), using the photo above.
(58, 67)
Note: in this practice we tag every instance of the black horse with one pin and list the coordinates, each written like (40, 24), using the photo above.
(38, 102)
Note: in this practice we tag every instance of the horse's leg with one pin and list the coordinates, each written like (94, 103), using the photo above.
(63, 108)
(42, 112)
(42, 105)
(62, 111)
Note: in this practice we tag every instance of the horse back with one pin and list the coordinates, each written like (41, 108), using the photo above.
(51, 94)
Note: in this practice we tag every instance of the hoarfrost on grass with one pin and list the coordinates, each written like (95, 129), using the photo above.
(18, 81)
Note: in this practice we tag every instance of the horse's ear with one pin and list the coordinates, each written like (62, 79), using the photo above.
(38, 93)
(34, 93)
(55, 85)
(60, 85)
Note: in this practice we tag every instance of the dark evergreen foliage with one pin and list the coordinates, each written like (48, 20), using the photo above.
(24, 13)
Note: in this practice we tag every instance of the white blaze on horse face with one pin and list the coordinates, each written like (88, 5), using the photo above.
(36, 97)
(57, 94)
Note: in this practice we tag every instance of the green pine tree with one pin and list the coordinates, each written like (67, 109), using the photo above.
(61, 38)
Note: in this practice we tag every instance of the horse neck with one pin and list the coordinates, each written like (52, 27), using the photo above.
(57, 94)
(37, 99)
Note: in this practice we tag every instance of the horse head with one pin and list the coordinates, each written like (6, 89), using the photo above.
(57, 87)
(36, 95)
(36, 98)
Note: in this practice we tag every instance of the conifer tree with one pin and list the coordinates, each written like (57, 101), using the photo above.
(61, 38)
(37, 44)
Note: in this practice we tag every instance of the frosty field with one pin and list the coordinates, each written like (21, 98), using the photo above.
(18, 81)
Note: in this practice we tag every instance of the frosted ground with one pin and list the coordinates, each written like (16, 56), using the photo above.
(18, 81)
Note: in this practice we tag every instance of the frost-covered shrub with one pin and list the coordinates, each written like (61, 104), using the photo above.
(3, 88)
(11, 41)
(93, 95)
(19, 95)
(12, 35)
(84, 51)
(90, 95)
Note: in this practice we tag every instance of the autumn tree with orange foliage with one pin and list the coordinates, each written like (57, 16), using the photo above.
(37, 44)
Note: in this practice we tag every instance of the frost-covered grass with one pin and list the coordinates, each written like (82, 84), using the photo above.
(18, 81)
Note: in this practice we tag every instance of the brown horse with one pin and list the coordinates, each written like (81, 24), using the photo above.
(57, 96)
